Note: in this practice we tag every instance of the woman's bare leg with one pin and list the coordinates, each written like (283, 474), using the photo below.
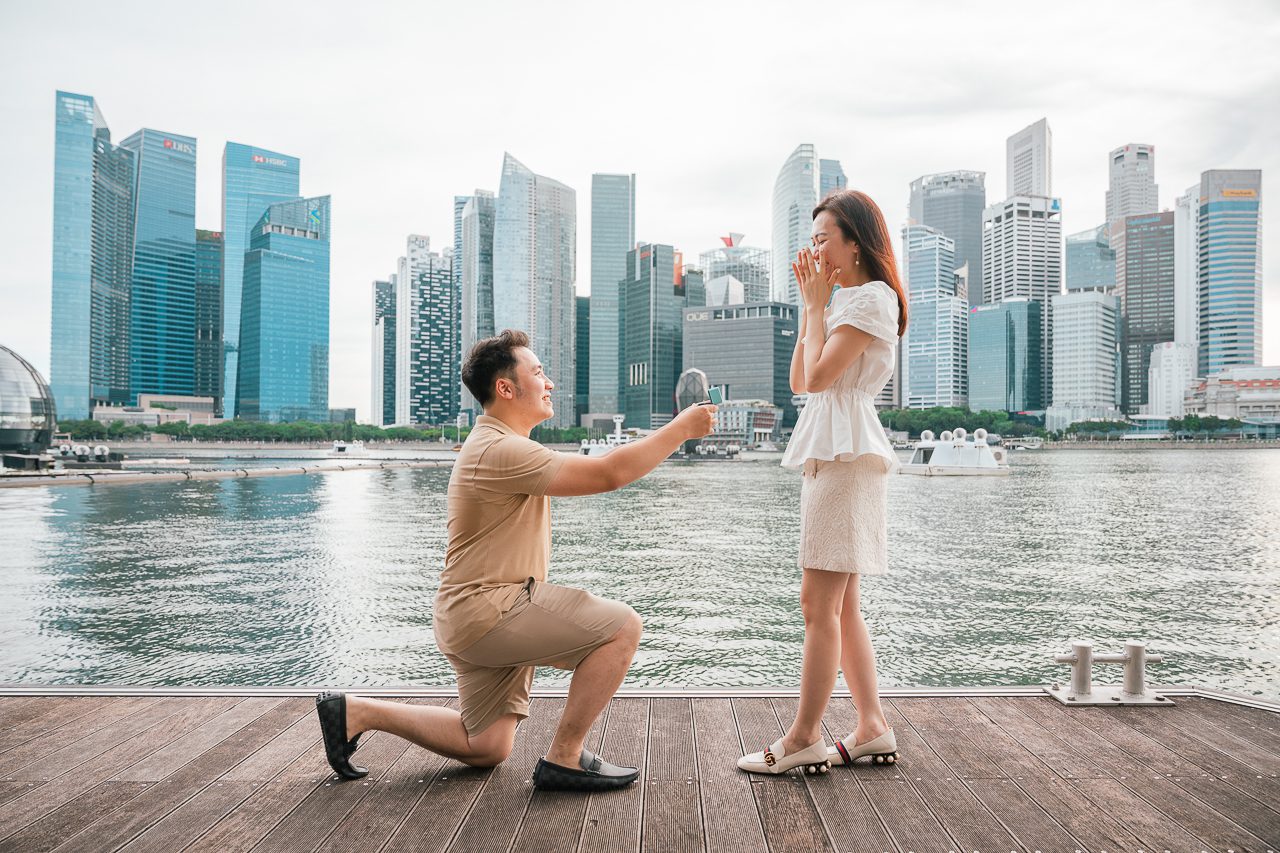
(858, 662)
(822, 595)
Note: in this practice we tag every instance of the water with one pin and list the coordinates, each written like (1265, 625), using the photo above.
(329, 579)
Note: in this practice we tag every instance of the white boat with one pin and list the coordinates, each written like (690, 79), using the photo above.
(957, 454)
(344, 449)
(601, 446)
(1026, 442)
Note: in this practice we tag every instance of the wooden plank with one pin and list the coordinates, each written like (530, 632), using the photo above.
(13, 790)
(72, 732)
(434, 821)
(672, 803)
(1207, 759)
(1153, 828)
(1211, 734)
(324, 808)
(1004, 750)
(1021, 815)
(32, 806)
(965, 818)
(1109, 743)
(612, 820)
(187, 822)
(1091, 826)
(910, 822)
(183, 750)
(1252, 724)
(1055, 753)
(244, 826)
(848, 816)
(730, 820)
(158, 808)
(283, 750)
(966, 760)
(106, 798)
(1253, 816)
(43, 714)
(495, 817)
(15, 709)
(790, 819)
(1202, 816)
(380, 812)
(153, 726)
(554, 818)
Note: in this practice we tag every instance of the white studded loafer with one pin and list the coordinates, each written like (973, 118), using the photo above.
(882, 749)
(773, 760)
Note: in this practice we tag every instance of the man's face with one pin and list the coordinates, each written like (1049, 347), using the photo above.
(531, 389)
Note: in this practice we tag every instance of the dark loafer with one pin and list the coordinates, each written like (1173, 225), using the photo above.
(331, 708)
(595, 774)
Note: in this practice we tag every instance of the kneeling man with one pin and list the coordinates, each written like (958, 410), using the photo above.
(496, 617)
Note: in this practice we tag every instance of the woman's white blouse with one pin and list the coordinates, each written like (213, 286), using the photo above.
(840, 422)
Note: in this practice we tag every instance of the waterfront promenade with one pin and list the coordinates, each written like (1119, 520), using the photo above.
(981, 770)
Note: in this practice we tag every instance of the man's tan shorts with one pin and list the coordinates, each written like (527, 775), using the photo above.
(548, 625)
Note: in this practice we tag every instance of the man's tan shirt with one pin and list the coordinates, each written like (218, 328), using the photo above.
(499, 530)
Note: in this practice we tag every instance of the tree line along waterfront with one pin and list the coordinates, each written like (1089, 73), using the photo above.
(911, 421)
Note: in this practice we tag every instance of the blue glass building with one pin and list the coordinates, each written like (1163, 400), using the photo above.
(284, 354)
(384, 353)
(1230, 269)
(252, 179)
(1004, 356)
(162, 309)
(93, 209)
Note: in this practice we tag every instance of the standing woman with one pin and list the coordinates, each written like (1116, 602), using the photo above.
(844, 355)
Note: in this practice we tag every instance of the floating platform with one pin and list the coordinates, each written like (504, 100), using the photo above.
(981, 770)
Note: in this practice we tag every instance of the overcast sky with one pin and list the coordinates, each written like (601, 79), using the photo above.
(395, 108)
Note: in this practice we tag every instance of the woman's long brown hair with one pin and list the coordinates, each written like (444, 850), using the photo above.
(862, 223)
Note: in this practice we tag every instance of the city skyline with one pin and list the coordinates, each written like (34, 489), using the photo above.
(389, 179)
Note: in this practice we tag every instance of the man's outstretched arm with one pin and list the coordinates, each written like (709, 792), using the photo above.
(586, 475)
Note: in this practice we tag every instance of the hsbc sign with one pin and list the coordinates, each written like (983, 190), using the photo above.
(180, 147)
(269, 161)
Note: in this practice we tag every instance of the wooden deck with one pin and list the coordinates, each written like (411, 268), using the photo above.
(978, 773)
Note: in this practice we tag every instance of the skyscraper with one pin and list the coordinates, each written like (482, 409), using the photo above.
(1086, 358)
(613, 234)
(748, 265)
(474, 271)
(582, 357)
(1091, 262)
(654, 294)
(952, 203)
(936, 344)
(831, 177)
(427, 337)
(1022, 258)
(534, 267)
(93, 200)
(796, 192)
(208, 366)
(1005, 351)
(1186, 268)
(744, 349)
(284, 341)
(1144, 283)
(1029, 161)
(252, 179)
(383, 358)
(1230, 271)
(1133, 188)
(162, 307)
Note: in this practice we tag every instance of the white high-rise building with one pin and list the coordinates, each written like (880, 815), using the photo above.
(799, 186)
(408, 267)
(1022, 257)
(1029, 161)
(1133, 187)
(1169, 378)
(746, 264)
(1186, 267)
(936, 345)
(534, 269)
(1086, 358)
(426, 335)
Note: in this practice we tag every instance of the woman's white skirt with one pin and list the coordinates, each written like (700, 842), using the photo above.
(842, 516)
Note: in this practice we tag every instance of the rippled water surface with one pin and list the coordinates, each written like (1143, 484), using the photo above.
(329, 579)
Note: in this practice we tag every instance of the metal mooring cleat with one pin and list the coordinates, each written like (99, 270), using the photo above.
(1082, 690)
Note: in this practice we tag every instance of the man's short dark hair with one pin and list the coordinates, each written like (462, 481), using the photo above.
(489, 359)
